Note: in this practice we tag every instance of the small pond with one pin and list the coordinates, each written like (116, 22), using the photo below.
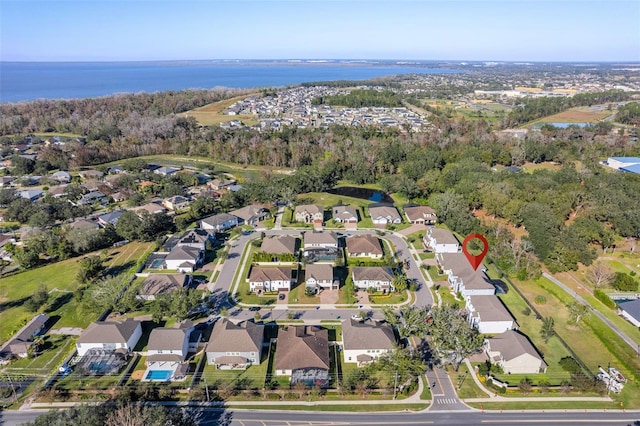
(362, 193)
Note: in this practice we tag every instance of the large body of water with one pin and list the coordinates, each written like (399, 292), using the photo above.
(25, 81)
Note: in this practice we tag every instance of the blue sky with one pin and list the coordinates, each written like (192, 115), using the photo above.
(510, 30)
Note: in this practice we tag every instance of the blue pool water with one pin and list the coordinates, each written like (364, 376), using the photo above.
(156, 264)
(160, 375)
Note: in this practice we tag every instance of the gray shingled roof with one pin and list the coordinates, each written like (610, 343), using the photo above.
(320, 238)
(161, 283)
(367, 335)
(490, 308)
(372, 273)
(302, 347)
(229, 337)
(279, 244)
(442, 236)
(631, 307)
(511, 344)
(109, 331)
(163, 338)
(319, 271)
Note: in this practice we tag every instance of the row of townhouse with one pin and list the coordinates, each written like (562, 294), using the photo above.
(302, 352)
(508, 348)
(381, 214)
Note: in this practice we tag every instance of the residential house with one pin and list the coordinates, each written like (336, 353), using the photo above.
(110, 218)
(366, 245)
(382, 214)
(251, 214)
(514, 353)
(115, 170)
(420, 215)
(489, 315)
(376, 277)
(631, 311)
(62, 176)
(184, 258)
(119, 196)
(462, 277)
(221, 184)
(91, 174)
(30, 194)
(6, 181)
(151, 208)
(441, 241)
(320, 276)
(84, 224)
(320, 240)
(166, 171)
(166, 352)
(346, 215)
(365, 341)
(176, 203)
(235, 346)
(283, 244)
(196, 238)
(109, 336)
(19, 345)
(219, 222)
(270, 279)
(57, 191)
(308, 213)
(155, 284)
(620, 163)
(302, 353)
(93, 197)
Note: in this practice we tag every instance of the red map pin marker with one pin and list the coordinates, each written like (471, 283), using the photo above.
(475, 259)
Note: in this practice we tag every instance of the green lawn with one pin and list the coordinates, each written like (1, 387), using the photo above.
(297, 296)
(59, 279)
(55, 349)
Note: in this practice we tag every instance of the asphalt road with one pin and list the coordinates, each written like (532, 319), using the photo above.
(211, 417)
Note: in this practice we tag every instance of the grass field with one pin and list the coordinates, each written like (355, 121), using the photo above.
(212, 114)
(59, 279)
(575, 115)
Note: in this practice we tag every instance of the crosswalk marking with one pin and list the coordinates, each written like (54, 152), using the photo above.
(446, 401)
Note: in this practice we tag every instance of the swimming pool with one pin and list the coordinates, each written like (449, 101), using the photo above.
(159, 375)
(156, 264)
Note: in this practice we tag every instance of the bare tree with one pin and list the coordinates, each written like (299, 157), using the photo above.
(600, 275)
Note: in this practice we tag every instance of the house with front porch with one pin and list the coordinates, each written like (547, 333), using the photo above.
(382, 214)
(320, 276)
(308, 213)
(514, 352)
(378, 278)
(365, 341)
(235, 346)
(346, 215)
(268, 279)
(420, 215)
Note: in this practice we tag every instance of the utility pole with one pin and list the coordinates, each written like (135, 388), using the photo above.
(395, 385)
(206, 388)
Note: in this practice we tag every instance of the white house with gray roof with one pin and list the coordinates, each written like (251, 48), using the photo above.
(441, 241)
(489, 315)
(631, 311)
(235, 346)
(384, 214)
(110, 336)
(514, 353)
(365, 341)
(320, 276)
(376, 277)
(167, 351)
(219, 222)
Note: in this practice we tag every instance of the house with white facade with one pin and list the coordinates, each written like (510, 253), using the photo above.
(317, 240)
(268, 279)
(366, 245)
(462, 277)
(110, 336)
(184, 259)
(235, 346)
(175, 203)
(377, 277)
(441, 241)
(219, 222)
(513, 352)
(251, 214)
(19, 345)
(630, 311)
(346, 215)
(166, 352)
(195, 238)
(489, 315)
(384, 214)
(365, 341)
(320, 276)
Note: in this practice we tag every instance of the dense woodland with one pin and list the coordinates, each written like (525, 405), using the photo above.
(569, 213)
